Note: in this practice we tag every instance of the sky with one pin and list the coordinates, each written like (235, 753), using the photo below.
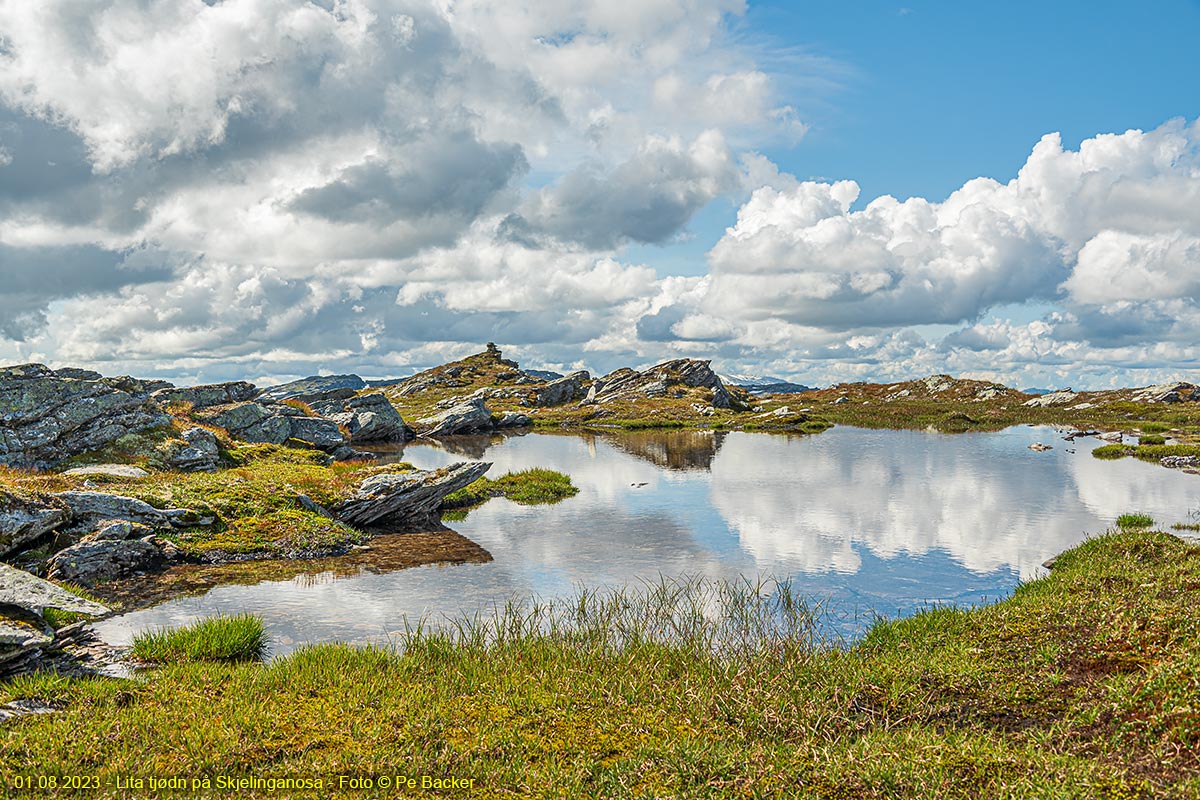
(206, 190)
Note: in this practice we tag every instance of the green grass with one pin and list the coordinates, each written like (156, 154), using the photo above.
(1155, 427)
(1082, 684)
(1186, 526)
(1151, 438)
(528, 487)
(1146, 452)
(213, 639)
(1133, 521)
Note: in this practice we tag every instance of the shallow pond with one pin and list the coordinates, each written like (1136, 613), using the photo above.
(876, 522)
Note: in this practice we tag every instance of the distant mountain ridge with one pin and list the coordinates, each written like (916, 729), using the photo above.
(757, 384)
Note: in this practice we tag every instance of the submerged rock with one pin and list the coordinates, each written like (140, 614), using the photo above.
(408, 497)
(46, 417)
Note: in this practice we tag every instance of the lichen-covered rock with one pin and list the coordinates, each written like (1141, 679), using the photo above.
(116, 550)
(110, 470)
(371, 418)
(513, 420)
(46, 417)
(253, 422)
(307, 389)
(1060, 398)
(408, 498)
(469, 416)
(198, 451)
(89, 509)
(208, 395)
(19, 588)
(659, 379)
(24, 521)
(321, 433)
(275, 423)
(561, 390)
(1180, 462)
(1177, 392)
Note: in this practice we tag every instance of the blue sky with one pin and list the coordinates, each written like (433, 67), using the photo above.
(922, 97)
(266, 189)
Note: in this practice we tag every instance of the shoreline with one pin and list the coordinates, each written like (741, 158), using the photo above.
(1012, 698)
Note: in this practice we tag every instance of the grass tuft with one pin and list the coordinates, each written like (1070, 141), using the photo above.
(213, 639)
(528, 487)
(1134, 521)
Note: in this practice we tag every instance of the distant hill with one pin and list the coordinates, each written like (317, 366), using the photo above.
(315, 384)
(756, 384)
(1036, 391)
(544, 374)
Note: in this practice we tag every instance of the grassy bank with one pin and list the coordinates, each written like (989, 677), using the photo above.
(1083, 684)
(256, 509)
(527, 487)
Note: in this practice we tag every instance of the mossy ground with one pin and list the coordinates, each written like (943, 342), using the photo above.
(527, 487)
(255, 506)
(1082, 684)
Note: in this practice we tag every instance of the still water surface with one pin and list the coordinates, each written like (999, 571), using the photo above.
(875, 522)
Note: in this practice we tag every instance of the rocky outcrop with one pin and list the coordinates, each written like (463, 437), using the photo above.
(314, 386)
(275, 423)
(118, 549)
(661, 380)
(367, 418)
(409, 498)
(1180, 462)
(23, 631)
(208, 395)
(25, 521)
(88, 511)
(512, 419)
(561, 390)
(469, 416)
(1060, 398)
(197, 451)
(1178, 392)
(46, 417)
(109, 470)
(254, 422)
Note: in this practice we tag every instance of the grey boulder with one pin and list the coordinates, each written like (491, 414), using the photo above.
(116, 550)
(198, 451)
(46, 417)
(371, 418)
(212, 394)
(468, 416)
(24, 521)
(408, 498)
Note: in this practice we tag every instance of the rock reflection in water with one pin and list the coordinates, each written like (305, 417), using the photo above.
(882, 520)
(387, 552)
(682, 450)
